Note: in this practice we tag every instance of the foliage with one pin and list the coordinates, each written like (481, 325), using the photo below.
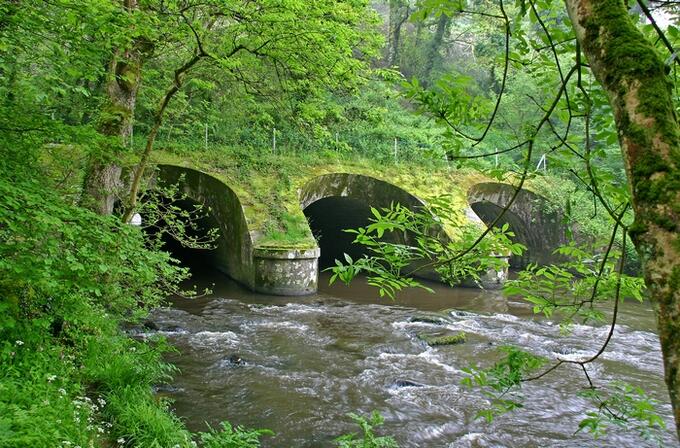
(559, 115)
(230, 437)
(400, 237)
(621, 405)
(68, 280)
(577, 287)
(57, 259)
(500, 382)
(366, 121)
(168, 211)
(492, 79)
(368, 439)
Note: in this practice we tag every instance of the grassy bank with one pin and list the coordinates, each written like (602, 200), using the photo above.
(69, 376)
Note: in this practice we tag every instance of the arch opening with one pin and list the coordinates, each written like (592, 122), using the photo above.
(328, 218)
(535, 221)
(187, 230)
(337, 201)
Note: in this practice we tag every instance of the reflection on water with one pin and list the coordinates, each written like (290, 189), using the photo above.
(299, 365)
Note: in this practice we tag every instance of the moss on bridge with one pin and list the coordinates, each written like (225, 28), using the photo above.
(269, 185)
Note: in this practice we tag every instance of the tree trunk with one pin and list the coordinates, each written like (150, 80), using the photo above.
(177, 83)
(633, 75)
(399, 13)
(123, 80)
(442, 26)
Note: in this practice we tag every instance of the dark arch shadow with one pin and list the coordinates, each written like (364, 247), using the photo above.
(198, 222)
(328, 217)
(488, 212)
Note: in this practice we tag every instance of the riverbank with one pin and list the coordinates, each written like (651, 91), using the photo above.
(69, 376)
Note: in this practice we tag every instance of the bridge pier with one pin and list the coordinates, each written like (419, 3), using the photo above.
(285, 272)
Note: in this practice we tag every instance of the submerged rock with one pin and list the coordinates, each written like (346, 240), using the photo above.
(453, 312)
(449, 339)
(166, 389)
(150, 325)
(564, 350)
(235, 360)
(406, 383)
(428, 319)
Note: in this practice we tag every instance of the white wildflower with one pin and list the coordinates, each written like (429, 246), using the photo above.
(19, 342)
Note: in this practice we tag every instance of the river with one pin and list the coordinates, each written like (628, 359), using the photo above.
(298, 365)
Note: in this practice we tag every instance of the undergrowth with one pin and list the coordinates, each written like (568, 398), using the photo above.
(69, 376)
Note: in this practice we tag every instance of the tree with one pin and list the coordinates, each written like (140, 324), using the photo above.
(299, 49)
(640, 93)
(443, 22)
(123, 79)
(400, 11)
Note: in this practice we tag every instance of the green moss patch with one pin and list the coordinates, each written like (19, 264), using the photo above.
(452, 339)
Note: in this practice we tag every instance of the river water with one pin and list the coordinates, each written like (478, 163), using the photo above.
(298, 365)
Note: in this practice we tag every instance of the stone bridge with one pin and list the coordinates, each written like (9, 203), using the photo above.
(331, 202)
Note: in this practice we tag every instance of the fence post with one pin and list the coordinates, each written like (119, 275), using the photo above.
(274, 141)
(206, 136)
(542, 162)
(395, 149)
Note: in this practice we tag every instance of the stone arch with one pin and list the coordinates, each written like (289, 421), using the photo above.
(535, 220)
(233, 254)
(268, 270)
(337, 201)
(357, 186)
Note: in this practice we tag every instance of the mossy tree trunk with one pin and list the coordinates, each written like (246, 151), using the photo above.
(443, 23)
(399, 14)
(639, 91)
(123, 79)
